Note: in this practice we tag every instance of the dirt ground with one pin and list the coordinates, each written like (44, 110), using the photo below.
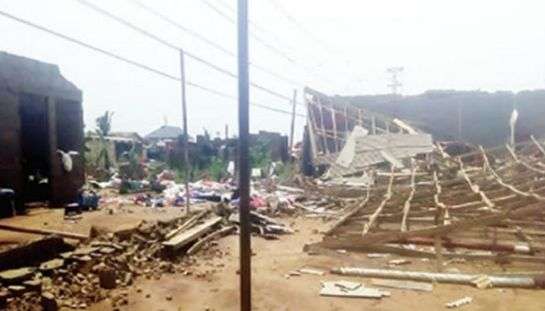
(273, 259)
(273, 291)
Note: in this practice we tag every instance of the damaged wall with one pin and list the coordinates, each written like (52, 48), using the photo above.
(40, 112)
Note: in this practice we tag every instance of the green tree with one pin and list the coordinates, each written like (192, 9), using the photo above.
(104, 125)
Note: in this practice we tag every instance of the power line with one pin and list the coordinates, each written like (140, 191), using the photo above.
(208, 41)
(134, 63)
(294, 21)
(177, 48)
(251, 22)
(262, 41)
(254, 36)
(311, 35)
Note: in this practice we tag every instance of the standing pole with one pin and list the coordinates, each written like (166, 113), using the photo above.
(292, 128)
(244, 165)
(186, 135)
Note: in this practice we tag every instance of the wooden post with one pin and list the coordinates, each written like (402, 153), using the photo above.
(322, 129)
(311, 123)
(360, 118)
(346, 127)
(186, 135)
(334, 122)
(292, 128)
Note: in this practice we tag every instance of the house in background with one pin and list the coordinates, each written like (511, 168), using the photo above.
(163, 141)
(41, 118)
(118, 145)
(165, 132)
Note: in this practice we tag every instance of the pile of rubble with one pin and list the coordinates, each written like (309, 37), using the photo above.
(81, 275)
(483, 206)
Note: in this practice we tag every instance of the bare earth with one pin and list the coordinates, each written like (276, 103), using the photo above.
(273, 291)
(218, 289)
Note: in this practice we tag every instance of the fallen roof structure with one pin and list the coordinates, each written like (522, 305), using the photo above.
(480, 206)
(348, 139)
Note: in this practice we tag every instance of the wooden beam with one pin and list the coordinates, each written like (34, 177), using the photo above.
(387, 196)
(384, 237)
(348, 215)
(63, 234)
(190, 222)
(407, 204)
(195, 248)
(186, 237)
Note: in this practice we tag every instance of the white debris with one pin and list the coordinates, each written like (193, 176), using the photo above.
(460, 302)
(351, 289)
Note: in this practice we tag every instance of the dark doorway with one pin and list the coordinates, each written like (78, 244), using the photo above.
(35, 147)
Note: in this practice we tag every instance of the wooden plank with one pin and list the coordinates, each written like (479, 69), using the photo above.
(193, 249)
(538, 145)
(189, 223)
(407, 204)
(184, 238)
(63, 234)
(348, 215)
(367, 226)
(412, 285)
(382, 237)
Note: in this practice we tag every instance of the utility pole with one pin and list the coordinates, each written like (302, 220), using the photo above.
(226, 131)
(292, 128)
(186, 134)
(244, 163)
(394, 84)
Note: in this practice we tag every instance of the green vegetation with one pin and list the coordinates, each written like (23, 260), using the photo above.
(104, 125)
(259, 155)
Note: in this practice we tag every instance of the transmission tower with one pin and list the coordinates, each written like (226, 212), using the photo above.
(394, 84)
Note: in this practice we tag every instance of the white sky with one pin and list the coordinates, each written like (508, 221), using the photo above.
(466, 45)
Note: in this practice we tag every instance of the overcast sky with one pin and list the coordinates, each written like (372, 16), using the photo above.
(338, 47)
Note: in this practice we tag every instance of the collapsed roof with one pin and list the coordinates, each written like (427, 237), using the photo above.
(348, 139)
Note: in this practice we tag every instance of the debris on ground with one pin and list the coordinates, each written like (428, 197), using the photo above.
(410, 285)
(459, 302)
(351, 290)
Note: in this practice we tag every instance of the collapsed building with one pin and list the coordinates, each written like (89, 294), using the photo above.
(484, 205)
(41, 123)
(346, 140)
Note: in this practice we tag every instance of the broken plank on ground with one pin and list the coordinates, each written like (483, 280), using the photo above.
(418, 286)
(180, 240)
(333, 289)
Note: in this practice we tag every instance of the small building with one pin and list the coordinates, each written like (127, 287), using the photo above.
(41, 118)
(118, 144)
(165, 132)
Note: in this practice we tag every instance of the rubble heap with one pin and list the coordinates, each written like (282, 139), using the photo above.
(486, 205)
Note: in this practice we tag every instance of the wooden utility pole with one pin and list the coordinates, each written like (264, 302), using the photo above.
(292, 128)
(244, 159)
(186, 135)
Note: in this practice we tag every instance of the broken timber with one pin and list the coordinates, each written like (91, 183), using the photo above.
(183, 238)
(195, 248)
(68, 235)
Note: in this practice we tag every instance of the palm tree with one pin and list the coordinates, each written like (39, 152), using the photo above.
(104, 124)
